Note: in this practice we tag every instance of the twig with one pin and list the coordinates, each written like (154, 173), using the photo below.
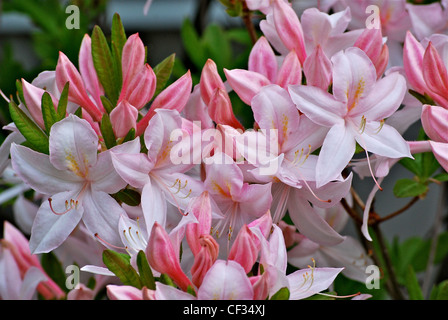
(247, 19)
(396, 213)
(394, 287)
(351, 212)
(434, 240)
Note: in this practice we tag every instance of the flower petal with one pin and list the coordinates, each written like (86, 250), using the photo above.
(101, 216)
(385, 141)
(310, 223)
(226, 280)
(307, 282)
(73, 145)
(35, 169)
(318, 105)
(50, 230)
(337, 151)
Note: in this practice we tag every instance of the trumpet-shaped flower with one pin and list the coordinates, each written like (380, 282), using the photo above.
(240, 202)
(355, 113)
(295, 138)
(78, 181)
(159, 179)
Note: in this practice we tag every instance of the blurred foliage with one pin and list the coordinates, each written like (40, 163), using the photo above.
(48, 37)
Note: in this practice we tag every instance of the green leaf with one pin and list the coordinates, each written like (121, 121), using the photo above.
(442, 177)
(53, 267)
(107, 132)
(165, 279)
(412, 285)
(29, 129)
(146, 276)
(48, 112)
(442, 291)
(120, 265)
(424, 99)
(107, 104)
(63, 101)
(129, 196)
(413, 165)
(129, 136)
(409, 188)
(217, 45)
(282, 294)
(104, 65)
(193, 45)
(163, 72)
(118, 34)
(20, 92)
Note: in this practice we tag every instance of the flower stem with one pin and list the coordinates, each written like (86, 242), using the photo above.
(247, 19)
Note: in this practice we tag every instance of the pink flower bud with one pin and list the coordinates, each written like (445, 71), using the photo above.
(174, 97)
(371, 42)
(88, 72)
(66, 72)
(123, 118)
(33, 101)
(132, 59)
(202, 210)
(434, 71)
(413, 53)
(244, 250)
(440, 151)
(141, 88)
(18, 245)
(434, 121)
(210, 81)
(220, 110)
(261, 287)
(163, 258)
(318, 69)
(246, 83)
(290, 72)
(289, 28)
(204, 259)
(262, 59)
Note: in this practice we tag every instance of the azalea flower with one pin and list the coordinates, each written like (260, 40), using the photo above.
(158, 178)
(78, 181)
(355, 113)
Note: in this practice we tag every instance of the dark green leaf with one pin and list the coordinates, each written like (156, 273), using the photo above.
(193, 45)
(48, 112)
(146, 276)
(107, 132)
(442, 177)
(107, 104)
(120, 265)
(118, 34)
(163, 72)
(129, 136)
(442, 291)
(217, 45)
(129, 196)
(63, 101)
(409, 188)
(104, 64)
(412, 285)
(29, 129)
(424, 99)
(53, 268)
(282, 294)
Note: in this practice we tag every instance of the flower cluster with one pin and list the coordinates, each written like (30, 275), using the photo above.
(161, 185)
